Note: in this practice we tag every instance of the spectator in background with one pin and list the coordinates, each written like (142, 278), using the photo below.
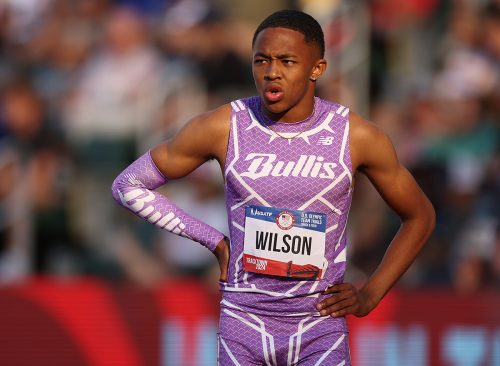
(203, 36)
(448, 133)
(5, 59)
(491, 45)
(119, 85)
(15, 218)
(118, 93)
(38, 171)
(61, 48)
(420, 56)
(463, 144)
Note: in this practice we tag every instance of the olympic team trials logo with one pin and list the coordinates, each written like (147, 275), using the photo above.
(285, 220)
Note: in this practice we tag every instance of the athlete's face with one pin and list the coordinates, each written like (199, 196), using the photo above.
(284, 69)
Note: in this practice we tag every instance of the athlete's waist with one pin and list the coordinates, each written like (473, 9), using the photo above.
(269, 302)
(285, 310)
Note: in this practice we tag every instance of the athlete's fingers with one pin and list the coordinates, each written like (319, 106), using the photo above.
(338, 288)
(345, 311)
(331, 289)
(339, 305)
(336, 299)
(328, 302)
(355, 305)
(339, 291)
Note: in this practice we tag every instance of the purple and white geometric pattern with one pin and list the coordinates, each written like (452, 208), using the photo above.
(301, 166)
(249, 339)
(134, 189)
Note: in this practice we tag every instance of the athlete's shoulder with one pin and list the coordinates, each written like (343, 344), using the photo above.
(332, 107)
(210, 123)
(367, 141)
(327, 102)
(206, 131)
(362, 130)
(245, 104)
(218, 116)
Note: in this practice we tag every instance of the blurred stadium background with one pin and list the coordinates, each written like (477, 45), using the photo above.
(88, 85)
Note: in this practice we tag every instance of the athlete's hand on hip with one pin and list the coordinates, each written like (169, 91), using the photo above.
(345, 299)
(221, 252)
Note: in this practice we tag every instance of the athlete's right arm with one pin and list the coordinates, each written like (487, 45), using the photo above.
(203, 138)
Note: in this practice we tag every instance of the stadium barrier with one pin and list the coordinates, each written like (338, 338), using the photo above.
(89, 322)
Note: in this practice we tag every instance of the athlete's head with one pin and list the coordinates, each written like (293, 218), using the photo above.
(298, 21)
(288, 50)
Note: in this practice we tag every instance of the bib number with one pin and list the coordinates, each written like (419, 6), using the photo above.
(286, 243)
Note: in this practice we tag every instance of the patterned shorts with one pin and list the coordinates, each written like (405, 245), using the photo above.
(248, 339)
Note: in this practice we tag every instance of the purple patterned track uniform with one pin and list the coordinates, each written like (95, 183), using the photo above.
(288, 192)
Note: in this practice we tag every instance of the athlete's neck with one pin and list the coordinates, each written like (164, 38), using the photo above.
(290, 116)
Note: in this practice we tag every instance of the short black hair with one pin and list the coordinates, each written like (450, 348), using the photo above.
(297, 21)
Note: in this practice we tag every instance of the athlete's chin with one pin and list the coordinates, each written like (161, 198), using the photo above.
(273, 107)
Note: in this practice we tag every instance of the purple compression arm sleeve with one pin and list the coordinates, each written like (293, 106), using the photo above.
(134, 189)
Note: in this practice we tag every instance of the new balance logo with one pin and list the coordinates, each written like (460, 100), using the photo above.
(264, 165)
(325, 140)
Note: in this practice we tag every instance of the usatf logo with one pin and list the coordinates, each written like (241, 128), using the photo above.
(325, 140)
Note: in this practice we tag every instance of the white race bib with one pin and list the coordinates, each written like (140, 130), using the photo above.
(282, 242)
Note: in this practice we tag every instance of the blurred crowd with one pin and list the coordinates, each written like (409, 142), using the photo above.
(86, 86)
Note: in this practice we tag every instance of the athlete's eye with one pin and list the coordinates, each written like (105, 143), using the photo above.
(259, 60)
(288, 62)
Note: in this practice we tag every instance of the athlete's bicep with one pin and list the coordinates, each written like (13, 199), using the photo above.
(179, 156)
(377, 159)
(201, 139)
(398, 188)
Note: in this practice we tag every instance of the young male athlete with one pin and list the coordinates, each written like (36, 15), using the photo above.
(288, 159)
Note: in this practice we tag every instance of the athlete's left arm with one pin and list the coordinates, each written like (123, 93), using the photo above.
(373, 154)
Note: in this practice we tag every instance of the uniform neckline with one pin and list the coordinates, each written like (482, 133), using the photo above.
(268, 121)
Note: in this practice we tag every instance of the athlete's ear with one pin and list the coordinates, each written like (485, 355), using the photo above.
(318, 69)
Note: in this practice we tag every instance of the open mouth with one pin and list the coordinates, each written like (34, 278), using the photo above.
(273, 93)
